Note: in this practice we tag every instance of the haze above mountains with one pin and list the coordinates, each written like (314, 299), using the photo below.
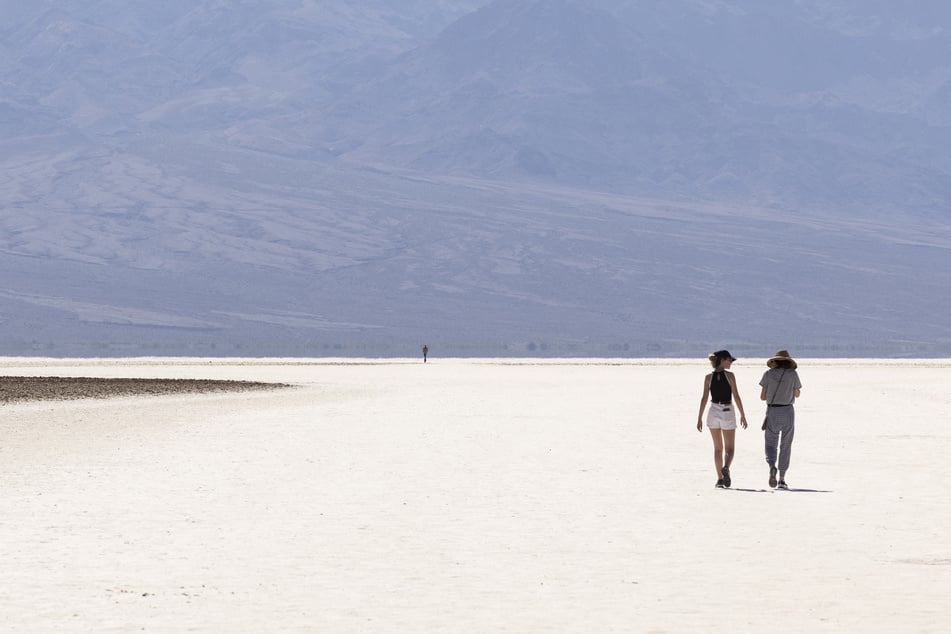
(549, 177)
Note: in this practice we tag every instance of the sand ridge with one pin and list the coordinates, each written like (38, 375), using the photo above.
(55, 388)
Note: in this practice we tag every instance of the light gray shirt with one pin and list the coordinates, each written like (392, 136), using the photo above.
(781, 385)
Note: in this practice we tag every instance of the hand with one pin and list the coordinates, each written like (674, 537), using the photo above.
(764, 424)
(743, 421)
(699, 424)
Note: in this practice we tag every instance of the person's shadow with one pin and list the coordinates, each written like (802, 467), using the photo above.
(789, 490)
(799, 490)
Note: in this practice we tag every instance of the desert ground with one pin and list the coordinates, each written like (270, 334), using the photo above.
(465, 495)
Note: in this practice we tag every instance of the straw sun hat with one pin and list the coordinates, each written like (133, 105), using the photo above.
(782, 355)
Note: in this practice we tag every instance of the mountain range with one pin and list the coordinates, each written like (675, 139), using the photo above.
(519, 177)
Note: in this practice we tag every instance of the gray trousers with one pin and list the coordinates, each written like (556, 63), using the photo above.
(780, 429)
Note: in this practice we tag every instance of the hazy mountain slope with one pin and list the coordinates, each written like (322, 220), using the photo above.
(203, 65)
(532, 176)
(277, 258)
(754, 101)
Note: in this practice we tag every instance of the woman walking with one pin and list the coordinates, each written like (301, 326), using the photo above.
(720, 387)
(780, 389)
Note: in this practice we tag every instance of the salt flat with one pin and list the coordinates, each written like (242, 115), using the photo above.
(472, 496)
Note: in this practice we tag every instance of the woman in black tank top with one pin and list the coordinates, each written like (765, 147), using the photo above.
(720, 388)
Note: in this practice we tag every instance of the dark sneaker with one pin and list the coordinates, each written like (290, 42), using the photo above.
(772, 477)
(726, 477)
(782, 485)
(720, 484)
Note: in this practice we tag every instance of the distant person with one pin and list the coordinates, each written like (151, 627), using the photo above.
(425, 353)
(720, 387)
(780, 389)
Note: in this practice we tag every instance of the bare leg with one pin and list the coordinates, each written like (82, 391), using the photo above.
(717, 450)
(728, 442)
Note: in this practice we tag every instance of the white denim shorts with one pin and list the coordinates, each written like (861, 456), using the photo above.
(721, 416)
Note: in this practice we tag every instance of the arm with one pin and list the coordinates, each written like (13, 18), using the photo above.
(736, 397)
(762, 394)
(703, 402)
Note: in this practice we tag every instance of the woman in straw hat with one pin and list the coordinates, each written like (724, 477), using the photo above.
(781, 387)
(720, 387)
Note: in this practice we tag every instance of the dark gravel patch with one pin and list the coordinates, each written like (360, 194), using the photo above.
(53, 388)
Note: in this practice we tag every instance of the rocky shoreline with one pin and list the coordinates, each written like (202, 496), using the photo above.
(15, 389)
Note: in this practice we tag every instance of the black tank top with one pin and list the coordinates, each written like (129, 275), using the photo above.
(720, 388)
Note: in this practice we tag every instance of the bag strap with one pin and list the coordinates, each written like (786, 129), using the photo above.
(777, 389)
